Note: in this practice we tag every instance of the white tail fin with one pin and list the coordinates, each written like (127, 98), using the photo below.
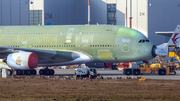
(175, 38)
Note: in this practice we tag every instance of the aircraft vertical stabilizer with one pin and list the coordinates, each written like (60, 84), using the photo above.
(175, 38)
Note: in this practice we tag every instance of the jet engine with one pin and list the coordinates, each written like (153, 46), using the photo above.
(22, 60)
(99, 65)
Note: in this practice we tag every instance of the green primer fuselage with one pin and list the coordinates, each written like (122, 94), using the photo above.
(103, 43)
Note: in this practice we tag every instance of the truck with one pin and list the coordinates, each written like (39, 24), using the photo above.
(159, 67)
(85, 72)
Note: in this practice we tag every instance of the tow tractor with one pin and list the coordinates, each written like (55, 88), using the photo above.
(170, 69)
(161, 66)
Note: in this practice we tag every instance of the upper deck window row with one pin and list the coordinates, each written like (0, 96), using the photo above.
(49, 33)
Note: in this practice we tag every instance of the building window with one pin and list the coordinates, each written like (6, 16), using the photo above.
(35, 17)
(111, 14)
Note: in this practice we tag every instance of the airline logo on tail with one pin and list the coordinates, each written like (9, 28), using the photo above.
(174, 39)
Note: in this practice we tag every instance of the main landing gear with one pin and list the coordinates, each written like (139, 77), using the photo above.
(24, 72)
(46, 71)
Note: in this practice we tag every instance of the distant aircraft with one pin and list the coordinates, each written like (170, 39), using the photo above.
(162, 49)
(26, 47)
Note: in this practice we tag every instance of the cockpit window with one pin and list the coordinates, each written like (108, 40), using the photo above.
(143, 40)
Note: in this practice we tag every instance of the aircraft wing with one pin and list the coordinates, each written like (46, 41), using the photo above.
(50, 57)
(168, 33)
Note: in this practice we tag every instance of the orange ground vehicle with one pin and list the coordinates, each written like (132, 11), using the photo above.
(122, 65)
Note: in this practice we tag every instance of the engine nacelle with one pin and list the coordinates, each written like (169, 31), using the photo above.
(22, 60)
(99, 65)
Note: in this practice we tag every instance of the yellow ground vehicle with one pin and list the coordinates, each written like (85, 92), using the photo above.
(160, 67)
(160, 70)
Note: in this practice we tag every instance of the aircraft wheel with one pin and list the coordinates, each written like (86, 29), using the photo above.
(33, 72)
(51, 72)
(112, 67)
(18, 72)
(14, 72)
(136, 72)
(9, 72)
(41, 72)
(115, 67)
(28, 72)
(162, 72)
(128, 72)
(46, 71)
(23, 72)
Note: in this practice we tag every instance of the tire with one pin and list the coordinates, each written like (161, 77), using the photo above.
(115, 67)
(128, 72)
(28, 72)
(9, 72)
(23, 72)
(112, 67)
(136, 72)
(41, 72)
(51, 72)
(18, 72)
(33, 72)
(14, 72)
(46, 71)
(174, 73)
(162, 72)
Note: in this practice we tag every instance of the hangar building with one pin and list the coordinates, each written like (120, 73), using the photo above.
(148, 16)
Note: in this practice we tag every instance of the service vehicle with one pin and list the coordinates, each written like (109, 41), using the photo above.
(160, 67)
(85, 72)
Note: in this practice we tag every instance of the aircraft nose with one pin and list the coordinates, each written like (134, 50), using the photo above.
(153, 51)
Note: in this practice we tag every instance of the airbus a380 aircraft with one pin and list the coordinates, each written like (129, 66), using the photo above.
(26, 47)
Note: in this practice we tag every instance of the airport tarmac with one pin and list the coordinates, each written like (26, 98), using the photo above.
(116, 73)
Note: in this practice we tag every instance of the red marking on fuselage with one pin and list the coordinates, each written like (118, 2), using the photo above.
(174, 38)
